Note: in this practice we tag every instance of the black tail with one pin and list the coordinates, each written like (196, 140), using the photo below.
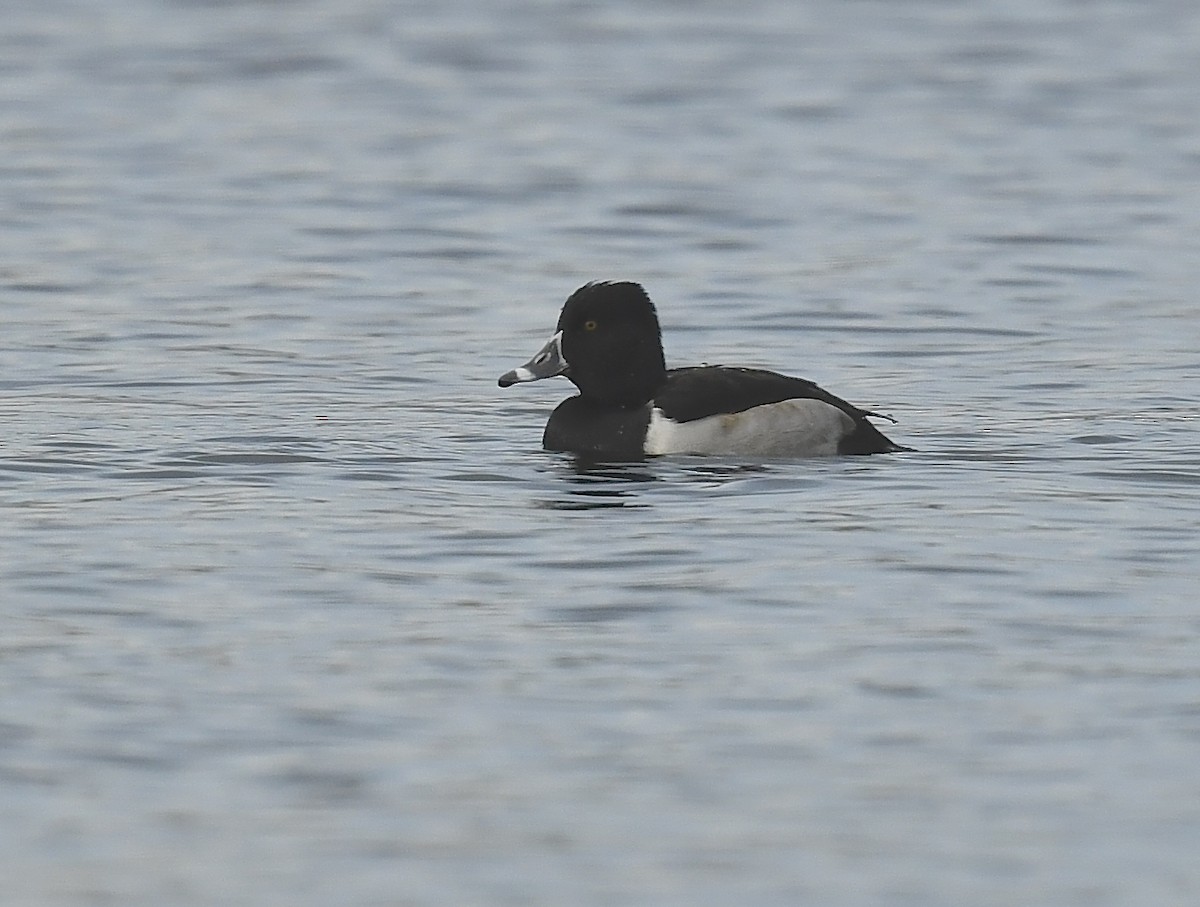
(867, 439)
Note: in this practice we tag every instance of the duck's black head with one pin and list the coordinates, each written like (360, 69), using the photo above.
(608, 343)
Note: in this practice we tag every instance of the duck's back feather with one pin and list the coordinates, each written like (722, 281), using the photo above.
(703, 392)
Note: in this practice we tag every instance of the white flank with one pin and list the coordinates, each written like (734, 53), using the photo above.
(792, 428)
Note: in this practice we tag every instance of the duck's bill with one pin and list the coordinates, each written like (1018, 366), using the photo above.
(547, 363)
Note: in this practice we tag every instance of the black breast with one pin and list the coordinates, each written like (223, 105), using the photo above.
(579, 426)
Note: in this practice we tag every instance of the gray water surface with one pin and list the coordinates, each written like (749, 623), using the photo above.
(297, 612)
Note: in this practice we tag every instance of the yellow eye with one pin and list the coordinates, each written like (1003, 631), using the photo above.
(589, 325)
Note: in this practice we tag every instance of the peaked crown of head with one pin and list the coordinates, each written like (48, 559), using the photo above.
(612, 342)
(620, 298)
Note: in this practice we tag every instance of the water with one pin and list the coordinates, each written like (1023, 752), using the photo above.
(297, 612)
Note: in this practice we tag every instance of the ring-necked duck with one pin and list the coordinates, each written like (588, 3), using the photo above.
(608, 343)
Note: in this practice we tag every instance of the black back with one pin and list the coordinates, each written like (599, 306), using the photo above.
(702, 391)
